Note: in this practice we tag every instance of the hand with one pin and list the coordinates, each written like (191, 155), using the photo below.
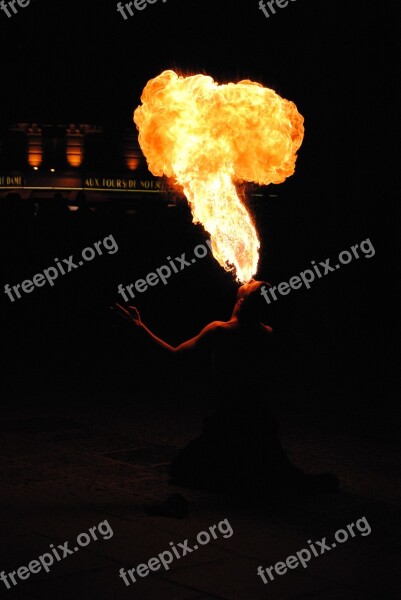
(130, 314)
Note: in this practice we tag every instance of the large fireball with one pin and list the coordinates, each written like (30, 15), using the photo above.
(208, 137)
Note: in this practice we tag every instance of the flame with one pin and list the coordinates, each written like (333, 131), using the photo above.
(208, 138)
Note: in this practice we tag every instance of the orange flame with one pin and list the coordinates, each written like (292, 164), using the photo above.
(208, 137)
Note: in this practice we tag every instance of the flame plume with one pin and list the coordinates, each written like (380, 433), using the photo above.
(208, 137)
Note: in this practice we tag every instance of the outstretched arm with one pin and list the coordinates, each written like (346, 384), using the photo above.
(132, 315)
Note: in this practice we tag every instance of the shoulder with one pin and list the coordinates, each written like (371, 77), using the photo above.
(215, 326)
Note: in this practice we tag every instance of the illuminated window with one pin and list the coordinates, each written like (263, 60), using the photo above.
(75, 147)
(35, 146)
(132, 153)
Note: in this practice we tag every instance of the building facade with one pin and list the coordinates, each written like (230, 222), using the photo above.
(41, 161)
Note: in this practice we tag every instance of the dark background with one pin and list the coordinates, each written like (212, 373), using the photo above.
(90, 417)
(81, 62)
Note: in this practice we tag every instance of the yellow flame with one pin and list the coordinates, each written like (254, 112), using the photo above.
(208, 137)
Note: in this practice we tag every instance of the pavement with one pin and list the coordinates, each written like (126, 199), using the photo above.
(65, 469)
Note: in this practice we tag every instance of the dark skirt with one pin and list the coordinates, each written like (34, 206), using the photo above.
(236, 450)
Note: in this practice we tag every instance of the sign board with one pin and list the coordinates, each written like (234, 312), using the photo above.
(122, 183)
(10, 181)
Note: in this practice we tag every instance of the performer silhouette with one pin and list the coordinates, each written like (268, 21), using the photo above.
(239, 449)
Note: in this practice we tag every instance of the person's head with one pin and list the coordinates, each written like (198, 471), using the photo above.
(250, 306)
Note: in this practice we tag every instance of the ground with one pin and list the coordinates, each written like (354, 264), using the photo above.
(67, 469)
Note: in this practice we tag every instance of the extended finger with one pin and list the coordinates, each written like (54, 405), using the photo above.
(123, 312)
(122, 309)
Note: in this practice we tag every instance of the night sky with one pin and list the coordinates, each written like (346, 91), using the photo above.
(83, 62)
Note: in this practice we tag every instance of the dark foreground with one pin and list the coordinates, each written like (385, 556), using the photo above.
(67, 469)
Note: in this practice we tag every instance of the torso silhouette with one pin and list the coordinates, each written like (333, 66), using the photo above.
(241, 355)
